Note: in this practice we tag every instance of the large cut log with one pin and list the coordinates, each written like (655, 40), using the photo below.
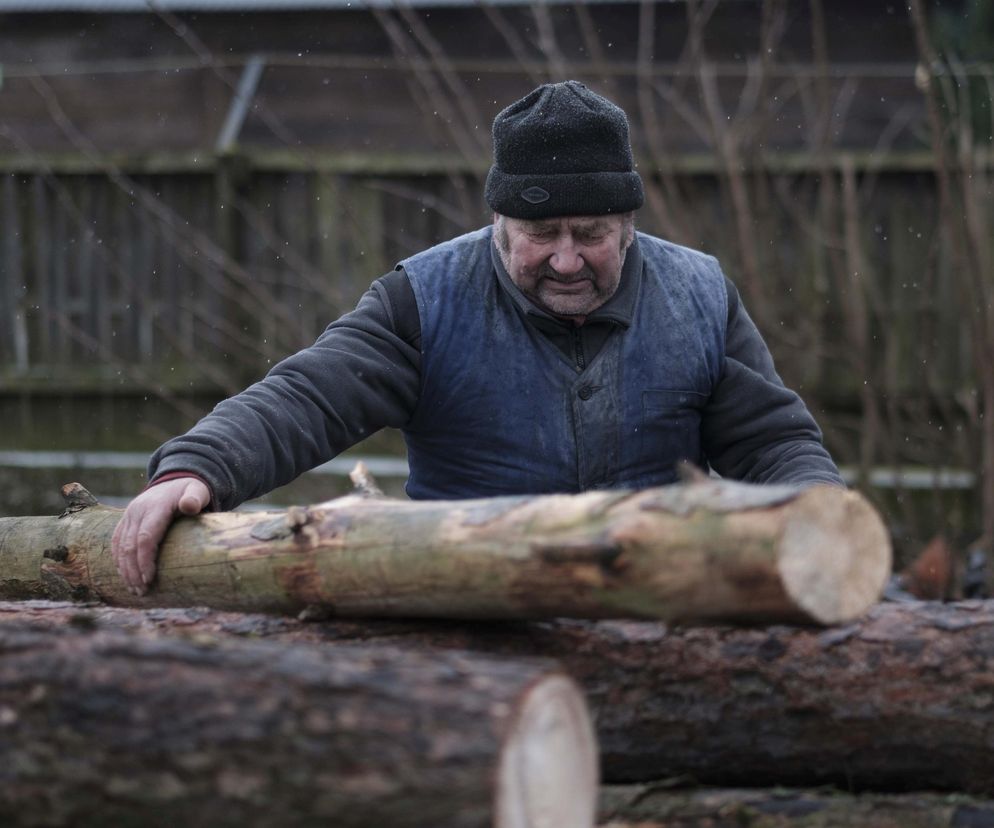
(109, 727)
(900, 700)
(707, 551)
(646, 806)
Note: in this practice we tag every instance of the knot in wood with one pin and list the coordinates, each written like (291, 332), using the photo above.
(297, 517)
(605, 555)
(59, 554)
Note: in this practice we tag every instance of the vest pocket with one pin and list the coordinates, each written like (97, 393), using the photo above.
(671, 428)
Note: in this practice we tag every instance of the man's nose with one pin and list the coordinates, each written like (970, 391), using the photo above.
(566, 257)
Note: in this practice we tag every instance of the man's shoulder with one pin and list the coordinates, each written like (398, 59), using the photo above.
(670, 261)
(671, 250)
(458, 246)
(461, 266)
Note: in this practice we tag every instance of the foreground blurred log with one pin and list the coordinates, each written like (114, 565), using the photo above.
(707, 551)
(110, 727)
(643, 806)
(901, 700)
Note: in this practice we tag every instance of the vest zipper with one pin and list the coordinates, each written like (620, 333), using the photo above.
(581, 360)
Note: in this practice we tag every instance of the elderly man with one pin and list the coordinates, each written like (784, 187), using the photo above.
(555, 351)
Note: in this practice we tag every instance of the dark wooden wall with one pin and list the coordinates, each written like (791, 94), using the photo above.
(429, 81)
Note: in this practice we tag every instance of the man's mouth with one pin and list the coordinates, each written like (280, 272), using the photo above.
(578, 282)
(574, 286)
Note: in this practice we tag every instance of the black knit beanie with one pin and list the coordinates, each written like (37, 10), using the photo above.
(562, 150)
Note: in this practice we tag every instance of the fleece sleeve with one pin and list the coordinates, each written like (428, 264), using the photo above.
(362, 374)
(753, 427)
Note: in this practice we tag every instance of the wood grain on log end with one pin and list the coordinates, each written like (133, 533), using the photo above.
(835, 554)
(548, 771)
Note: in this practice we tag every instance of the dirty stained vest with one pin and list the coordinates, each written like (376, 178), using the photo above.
(503, 411)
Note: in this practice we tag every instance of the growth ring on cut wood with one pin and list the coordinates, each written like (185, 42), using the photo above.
(549, 761)
(851, 573)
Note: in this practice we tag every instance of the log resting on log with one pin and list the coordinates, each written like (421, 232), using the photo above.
(901, 700)
(646, 806)
(114, 727)
(701, 552)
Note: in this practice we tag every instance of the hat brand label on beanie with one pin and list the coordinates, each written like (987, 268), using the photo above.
(535, 195)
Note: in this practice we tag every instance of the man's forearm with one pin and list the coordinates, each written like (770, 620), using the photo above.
(754, 428)
(358, 377)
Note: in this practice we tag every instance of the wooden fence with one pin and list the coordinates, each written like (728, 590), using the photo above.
(207, 277)
(190, 277)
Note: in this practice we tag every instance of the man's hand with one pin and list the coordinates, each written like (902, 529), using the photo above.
(136, 540)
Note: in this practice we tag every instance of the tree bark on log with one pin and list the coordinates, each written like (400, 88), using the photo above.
(115, 727)
(643, 806)
(703, 552)
(899, 700)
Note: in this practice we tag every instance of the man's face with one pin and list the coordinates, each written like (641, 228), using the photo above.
(568, 266)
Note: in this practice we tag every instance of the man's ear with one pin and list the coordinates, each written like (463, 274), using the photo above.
(629, 230)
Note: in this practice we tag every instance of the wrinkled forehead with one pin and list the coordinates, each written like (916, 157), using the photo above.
(575, 224)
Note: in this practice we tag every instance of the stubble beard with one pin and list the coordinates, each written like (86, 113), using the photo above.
(568, 303)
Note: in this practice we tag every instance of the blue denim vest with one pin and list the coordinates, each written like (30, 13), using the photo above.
(502, 411)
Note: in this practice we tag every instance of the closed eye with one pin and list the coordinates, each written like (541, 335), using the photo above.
(543, 235)
(592, 237)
